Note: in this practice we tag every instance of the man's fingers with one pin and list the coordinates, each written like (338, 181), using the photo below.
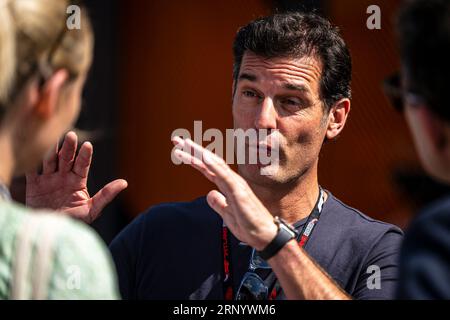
(177, 141)
(105, 196)
(186, 158)
(83, 160)
(67, 152)
(213, 167)
(218, 202)
(50, 163)
(225, 176)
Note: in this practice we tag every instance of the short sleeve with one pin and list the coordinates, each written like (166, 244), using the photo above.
(380, 272)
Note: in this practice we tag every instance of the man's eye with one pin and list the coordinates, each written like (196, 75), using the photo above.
(291, 102)
(249, 94)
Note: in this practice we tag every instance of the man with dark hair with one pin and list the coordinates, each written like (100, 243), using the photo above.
(297, 35)
(422, 93)
(292, 77)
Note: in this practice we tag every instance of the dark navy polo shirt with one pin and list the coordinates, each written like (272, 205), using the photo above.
(174, 251)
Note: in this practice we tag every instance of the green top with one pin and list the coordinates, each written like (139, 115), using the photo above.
(44, 255)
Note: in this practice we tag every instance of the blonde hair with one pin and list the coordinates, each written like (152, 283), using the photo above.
(34, 40)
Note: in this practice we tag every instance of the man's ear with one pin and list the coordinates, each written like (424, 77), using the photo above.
(337, 118)
(49, 94)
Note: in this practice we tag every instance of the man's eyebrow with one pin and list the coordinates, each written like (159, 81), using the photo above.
(248, 76)
(286, 85)
(296, 87)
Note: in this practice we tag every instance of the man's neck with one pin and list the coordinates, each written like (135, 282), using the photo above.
(291, 202)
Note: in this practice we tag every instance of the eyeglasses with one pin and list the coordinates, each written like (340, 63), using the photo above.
(399, 96)
(252, 286)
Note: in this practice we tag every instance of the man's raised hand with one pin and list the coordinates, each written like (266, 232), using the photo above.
(235, 202)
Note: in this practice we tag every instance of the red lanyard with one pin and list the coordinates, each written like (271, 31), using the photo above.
(227, 283)
(308, 227)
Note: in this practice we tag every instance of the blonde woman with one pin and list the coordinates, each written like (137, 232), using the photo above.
(43, 66)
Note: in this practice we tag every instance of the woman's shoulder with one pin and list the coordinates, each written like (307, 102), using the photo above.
(75, 254)
(14, 218)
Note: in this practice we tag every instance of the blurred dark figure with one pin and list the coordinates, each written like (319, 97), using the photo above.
(421, 92)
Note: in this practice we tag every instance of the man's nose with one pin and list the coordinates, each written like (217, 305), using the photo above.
(267, 117)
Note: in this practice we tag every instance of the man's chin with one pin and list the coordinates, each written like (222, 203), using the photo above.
(259, 174)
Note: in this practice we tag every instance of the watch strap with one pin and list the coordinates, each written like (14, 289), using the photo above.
(284, 235)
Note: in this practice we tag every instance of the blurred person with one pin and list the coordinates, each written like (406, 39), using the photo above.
(420, 91)
(43, 67)
(274, 237)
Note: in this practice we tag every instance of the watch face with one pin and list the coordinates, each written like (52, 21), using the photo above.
(288, 229)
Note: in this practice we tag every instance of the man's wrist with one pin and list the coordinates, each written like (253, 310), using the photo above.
(289, 248)
(285, 233)
(266, 236)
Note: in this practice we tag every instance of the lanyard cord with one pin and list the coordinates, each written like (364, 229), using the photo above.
(227, 282)
(303, 238)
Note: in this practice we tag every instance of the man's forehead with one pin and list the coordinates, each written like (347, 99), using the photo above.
(306, 67)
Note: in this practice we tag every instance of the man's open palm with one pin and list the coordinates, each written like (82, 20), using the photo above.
(62, 185)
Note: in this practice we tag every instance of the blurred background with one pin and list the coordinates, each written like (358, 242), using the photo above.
(161, 65)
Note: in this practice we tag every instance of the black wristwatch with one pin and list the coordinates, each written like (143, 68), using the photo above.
(286, 232)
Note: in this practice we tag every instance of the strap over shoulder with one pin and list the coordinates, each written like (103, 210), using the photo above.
(33, 262)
